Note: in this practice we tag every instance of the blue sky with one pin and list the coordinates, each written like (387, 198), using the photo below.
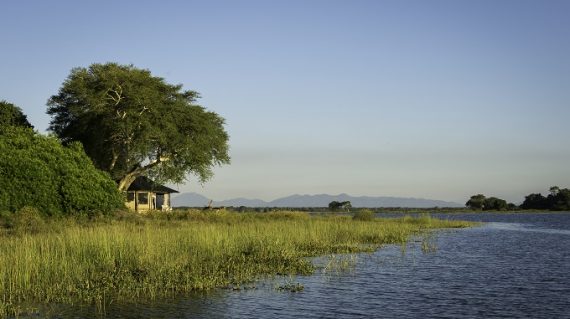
(432, 99)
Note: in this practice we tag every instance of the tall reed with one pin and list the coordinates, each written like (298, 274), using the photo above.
(145, 257)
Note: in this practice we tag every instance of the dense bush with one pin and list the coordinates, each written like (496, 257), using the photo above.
(363, 215)
(558, 199)
(37, 171)
(27, 220)
(11, 115)
(480, 202)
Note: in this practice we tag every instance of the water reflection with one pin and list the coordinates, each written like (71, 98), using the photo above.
(193, 305)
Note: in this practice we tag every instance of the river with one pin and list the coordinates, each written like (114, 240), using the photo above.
(513, 266)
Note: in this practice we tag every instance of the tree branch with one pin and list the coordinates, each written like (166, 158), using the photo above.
(114, 160)
(141, 169)
(118, 94)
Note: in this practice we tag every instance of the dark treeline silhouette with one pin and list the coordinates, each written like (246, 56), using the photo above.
(481, 202)
(334, 205)
(558, 199)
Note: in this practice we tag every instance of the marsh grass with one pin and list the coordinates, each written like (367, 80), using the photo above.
(428, 243)
(338, 264)
(290, 286)
(363, 215)
(132, 257)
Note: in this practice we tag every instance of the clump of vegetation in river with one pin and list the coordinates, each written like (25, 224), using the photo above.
(291, 286)
(102, 259)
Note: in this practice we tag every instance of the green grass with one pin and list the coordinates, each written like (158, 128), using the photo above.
(130, 257)
(363, 215)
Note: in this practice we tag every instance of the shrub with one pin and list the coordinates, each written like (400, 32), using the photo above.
(364, 215)
(28, 220)
(38, 171)
(5, 219)
(11, 115)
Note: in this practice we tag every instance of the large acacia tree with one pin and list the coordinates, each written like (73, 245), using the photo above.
(134, 124)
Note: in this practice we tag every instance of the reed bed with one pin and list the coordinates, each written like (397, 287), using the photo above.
(132, 257)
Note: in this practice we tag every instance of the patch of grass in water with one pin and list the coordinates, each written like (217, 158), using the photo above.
(290, 286)
(428, 243)
(337, 264)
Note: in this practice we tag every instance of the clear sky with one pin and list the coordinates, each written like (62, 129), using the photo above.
(431, 99)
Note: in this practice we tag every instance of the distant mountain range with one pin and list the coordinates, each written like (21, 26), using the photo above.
(322, 200)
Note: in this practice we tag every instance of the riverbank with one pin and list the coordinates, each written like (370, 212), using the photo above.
(132, 257)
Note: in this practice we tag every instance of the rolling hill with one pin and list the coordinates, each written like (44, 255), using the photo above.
(321, 200)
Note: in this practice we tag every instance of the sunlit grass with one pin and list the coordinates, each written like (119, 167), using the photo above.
(134, 257)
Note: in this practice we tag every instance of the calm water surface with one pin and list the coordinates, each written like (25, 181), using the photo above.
(514, 266)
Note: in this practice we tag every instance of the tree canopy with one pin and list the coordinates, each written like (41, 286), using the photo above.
(558, 199)
(11, 115)
(335, 205)
(134, 124)
(476, 202)
(38, 171)
(481, 202)
(494, 203)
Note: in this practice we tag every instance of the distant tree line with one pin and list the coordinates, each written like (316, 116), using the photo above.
(558, 200)
(335, 205)
(481, 202)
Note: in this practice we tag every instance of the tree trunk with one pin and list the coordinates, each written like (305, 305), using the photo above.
(127, 180)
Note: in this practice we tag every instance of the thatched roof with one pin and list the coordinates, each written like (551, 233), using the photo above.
(143, 183)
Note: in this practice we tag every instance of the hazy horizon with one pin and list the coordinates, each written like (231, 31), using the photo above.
(270, 199)
(296, 194)
(425, 99)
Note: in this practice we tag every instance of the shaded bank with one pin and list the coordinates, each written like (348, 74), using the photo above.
(133, 257)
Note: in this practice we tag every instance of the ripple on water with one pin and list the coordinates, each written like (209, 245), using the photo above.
(527, 228)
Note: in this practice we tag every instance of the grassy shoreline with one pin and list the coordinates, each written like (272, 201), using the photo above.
(146, 257)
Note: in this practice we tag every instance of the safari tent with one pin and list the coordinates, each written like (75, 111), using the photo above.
(144, 194)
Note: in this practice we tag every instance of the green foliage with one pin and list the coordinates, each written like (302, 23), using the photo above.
(363, 215)
(494, 203)
(27, 220)
(534, 201)
(132, 123)
(38, 171)
(480, 202)
(5, 219)
(476, 202)
(291, 287)
(334, 205)
(11, 115)
(558, 199)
